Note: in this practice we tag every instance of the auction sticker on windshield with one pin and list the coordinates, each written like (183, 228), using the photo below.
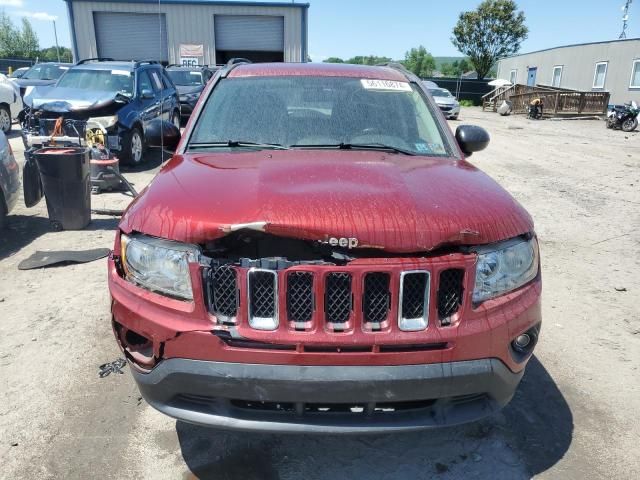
(388, 85)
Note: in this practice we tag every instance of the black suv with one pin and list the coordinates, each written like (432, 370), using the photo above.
(121, 97)
(190, 82)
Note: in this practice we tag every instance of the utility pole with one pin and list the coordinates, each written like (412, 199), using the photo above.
(625, 19)
(55, 32)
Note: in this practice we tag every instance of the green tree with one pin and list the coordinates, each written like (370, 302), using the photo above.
(455, 68)
(368, 60)
(494, 30)
(28, 41)
(9, 37)
(334, 60)
(51, 55)
(420, 62)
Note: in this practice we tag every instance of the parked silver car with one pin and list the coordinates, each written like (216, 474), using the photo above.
(9, 179)
(447, 102)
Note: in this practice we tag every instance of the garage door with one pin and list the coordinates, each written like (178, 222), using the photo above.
(131, 36)
(249, 33)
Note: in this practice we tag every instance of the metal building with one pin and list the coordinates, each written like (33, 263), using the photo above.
(188, 31)
(603, 66)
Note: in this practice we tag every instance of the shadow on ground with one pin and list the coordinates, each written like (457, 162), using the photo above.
(528, 437)
(21, 230)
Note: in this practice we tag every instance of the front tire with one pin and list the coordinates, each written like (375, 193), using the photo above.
(630, 124)
(133, 147)
(5, 119)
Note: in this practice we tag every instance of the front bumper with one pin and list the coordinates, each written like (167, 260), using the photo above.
(450, 111)
(327, 399)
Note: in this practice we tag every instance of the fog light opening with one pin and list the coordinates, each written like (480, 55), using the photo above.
(522, 345)
(522, 341)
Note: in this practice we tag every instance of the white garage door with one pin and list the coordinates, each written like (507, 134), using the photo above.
(249, 33)
(131, 36)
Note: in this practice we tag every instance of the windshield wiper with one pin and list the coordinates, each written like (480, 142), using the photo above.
(238, 144)
(357, 146)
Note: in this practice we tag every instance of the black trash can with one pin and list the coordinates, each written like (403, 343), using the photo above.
(65, 174)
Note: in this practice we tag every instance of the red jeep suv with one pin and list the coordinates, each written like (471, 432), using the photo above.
(318, 256)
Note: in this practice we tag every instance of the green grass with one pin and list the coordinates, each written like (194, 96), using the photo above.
(467, 103)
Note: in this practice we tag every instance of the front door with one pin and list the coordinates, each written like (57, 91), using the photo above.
(531, 78)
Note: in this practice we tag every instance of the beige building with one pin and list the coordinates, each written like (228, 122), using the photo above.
(604, 66)
(188, 31)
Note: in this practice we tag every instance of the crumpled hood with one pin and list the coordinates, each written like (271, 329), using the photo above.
(393, 202)
(55, 99)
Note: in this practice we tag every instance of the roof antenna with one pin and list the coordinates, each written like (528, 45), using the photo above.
(625, 19)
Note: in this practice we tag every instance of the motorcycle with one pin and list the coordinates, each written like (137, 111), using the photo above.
(623, 117)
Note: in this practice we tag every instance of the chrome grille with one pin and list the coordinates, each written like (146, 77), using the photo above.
(449, 293)
(338, 299)
(263, 299)
(300, 297)
(414, 300)
(224, 293)
(376, 297)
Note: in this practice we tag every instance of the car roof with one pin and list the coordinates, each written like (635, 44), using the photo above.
(317, 70)
(114, 65)
(62, 64)
(194, 67)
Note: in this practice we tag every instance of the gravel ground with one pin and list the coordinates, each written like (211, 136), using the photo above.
(575, 415)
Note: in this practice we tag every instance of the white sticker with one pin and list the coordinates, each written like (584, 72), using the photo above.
(387, 85)
(121, 72)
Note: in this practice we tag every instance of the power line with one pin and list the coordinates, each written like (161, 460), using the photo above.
(625, 19)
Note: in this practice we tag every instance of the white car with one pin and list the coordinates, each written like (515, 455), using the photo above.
(10, 103)
(447, 102)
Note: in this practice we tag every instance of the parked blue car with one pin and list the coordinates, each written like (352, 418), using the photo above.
(119, 97)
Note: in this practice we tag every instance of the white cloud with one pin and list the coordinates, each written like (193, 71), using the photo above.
(36, 15)
(12, 3)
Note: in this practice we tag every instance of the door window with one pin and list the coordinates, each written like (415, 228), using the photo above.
(144, 82)
(157, 83)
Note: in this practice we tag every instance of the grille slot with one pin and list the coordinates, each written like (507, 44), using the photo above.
(337, 298)
(224, 293)
(263, 299)
(449, 293)
(300, 304)
(414, 300)
(376, 298)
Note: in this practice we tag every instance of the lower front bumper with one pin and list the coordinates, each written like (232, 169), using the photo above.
(327, 399)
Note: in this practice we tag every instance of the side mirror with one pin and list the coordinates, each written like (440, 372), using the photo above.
(472, 138)
(163, 134)
(146, 94)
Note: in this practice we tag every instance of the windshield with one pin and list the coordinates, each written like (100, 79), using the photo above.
(185, 77)
(440, 92)
(44, 72)
(319, 111)
(116, 81)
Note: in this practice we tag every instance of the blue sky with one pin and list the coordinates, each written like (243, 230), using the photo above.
(345, 28)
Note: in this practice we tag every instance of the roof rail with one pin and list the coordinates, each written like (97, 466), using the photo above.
(237, 61)
(231, 64)
(96, 59)
(400, 68)
(137, 63)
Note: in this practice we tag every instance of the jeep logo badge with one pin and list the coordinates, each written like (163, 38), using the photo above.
(343, 242)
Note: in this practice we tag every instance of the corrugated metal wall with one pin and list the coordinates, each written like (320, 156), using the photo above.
(578, 67)
(187, 24)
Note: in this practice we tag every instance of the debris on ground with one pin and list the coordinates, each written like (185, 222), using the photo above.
(48, 259)
(620, 289)
(116, 366)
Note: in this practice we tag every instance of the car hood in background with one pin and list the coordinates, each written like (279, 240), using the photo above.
(445, 100)
(387, 201)
(61, 100)
(187, 89)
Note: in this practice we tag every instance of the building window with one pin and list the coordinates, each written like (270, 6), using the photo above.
(600, 75)
(557, 76)
(635, 74)
(513, 77)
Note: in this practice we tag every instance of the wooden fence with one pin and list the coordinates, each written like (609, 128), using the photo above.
(563, 102)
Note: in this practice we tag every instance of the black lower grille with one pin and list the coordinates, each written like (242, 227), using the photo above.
(450, 292)
(262, 302)
(300, 296)
(338, 299)
(224, 292)
(414, 294)
(376, 297)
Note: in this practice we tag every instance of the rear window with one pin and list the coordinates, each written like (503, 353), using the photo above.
(185, 77)
(299, 111)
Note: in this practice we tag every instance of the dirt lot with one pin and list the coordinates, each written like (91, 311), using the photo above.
(575, 415)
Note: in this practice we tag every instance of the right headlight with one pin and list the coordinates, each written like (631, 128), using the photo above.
(504, 267)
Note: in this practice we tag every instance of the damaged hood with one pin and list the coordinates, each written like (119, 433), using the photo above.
(61, 100)
(393, 202)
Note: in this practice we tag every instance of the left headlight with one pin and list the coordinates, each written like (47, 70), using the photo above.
(159, 265)
(504, 267)
(105, 122)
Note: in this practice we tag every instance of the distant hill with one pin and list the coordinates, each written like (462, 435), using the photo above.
(441, 60)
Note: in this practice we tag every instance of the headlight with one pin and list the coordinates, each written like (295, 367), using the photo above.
(189, 97)
(504, 267)
(159, 265)
(105, 122)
